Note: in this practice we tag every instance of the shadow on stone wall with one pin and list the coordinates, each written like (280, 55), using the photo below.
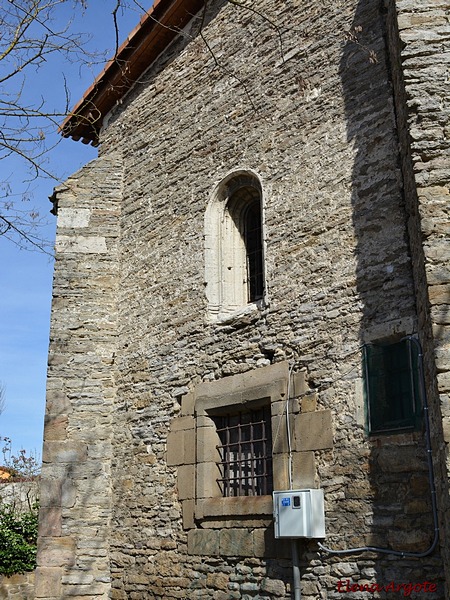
(398, 504)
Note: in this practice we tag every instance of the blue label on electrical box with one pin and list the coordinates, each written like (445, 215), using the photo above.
(285, 501)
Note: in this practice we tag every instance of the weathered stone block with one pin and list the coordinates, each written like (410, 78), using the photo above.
(313, 431)
(64, 452)
(280, 472)
(236, 542)
(186, 482)
(182, 423)
(304, 470)
(238, 506)
(56, 552)
(74, 218)
(181, 447)
(50, 521)
(188, 404)
(48, 582)
(279, 434)
(55, 427)
(309, 402)
(207, 442)
(188, 514)
(298, 384)
(81, 244)
(57, 402)
(207, 475)
(203, 542)
(49, 492)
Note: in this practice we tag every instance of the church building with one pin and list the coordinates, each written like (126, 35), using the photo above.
(249, 370)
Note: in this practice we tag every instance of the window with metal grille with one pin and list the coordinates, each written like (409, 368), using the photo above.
(392, 386)
(246, 453)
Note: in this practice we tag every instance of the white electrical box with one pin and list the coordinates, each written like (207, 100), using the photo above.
(299, 513)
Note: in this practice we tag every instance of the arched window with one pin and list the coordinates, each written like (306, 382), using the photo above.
(234, 248)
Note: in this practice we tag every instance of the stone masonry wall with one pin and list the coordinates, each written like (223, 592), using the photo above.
(75, 495)
(17, 587)
(301, 95)
(316, 122)
(420, 74)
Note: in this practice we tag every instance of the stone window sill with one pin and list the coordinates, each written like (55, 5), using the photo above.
(241, 315)
(240, 506)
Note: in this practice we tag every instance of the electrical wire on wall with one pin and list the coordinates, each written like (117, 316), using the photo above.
(288, 431)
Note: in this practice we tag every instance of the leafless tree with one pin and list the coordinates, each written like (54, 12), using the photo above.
(33, 34)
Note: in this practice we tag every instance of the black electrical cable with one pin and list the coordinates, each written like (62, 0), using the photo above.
(431, 480)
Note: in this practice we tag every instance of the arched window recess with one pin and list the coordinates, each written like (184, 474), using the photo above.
(234, 246)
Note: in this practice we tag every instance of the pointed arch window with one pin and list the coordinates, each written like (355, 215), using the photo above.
(234, 246)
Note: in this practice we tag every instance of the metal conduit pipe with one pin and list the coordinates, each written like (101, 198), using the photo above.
(294, 549)
(430, 479)
(296, 571)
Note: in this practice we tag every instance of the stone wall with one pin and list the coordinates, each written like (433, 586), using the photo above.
(75, 513)
(132, 339)
(21, 495)
(17, 587)
(421, 89)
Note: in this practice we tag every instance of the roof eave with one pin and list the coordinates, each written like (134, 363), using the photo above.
(153, 34)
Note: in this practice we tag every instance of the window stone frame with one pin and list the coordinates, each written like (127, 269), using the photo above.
(242, 526)
(225, 254)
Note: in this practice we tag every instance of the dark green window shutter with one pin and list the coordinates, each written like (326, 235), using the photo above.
(392, 386)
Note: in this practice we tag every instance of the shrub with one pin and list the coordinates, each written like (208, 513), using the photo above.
(18, 536)
(18, 511)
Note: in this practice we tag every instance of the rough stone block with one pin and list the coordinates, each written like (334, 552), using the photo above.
(203, 542)
(313, 431)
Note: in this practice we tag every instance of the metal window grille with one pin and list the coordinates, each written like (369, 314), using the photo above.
(246, 453)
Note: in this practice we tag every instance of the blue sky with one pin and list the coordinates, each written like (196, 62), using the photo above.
(26, 277)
